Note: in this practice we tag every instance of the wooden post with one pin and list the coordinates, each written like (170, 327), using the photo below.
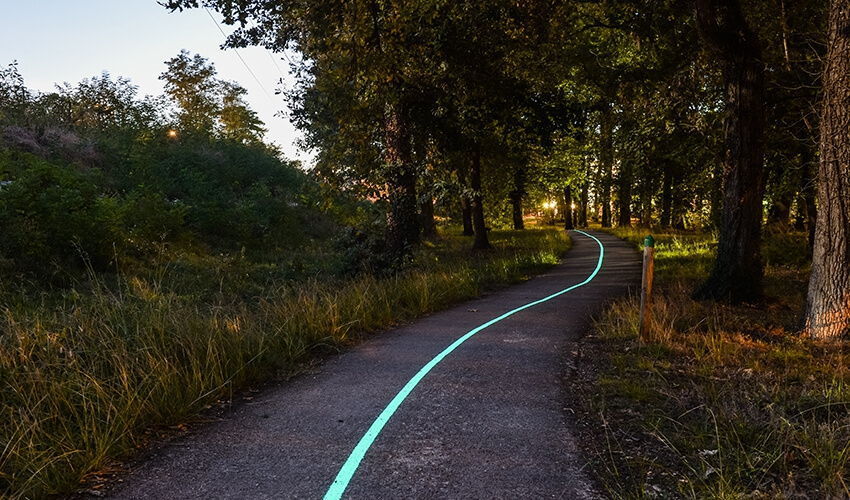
(646, 289)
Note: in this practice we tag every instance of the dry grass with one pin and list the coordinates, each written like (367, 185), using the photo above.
(727, 402)
(81, 379)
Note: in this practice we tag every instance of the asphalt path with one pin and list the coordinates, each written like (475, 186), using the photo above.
(489, 420)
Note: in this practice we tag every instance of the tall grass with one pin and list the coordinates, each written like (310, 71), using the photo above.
(727, 402)
(81, 379)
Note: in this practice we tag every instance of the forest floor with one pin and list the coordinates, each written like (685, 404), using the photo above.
(726, 401)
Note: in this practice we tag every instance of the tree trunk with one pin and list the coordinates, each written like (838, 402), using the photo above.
(465, 203)
(568, 208)
(585, 199)
(466, 214)
(516, 204)
(516, 198)
(666, 195)
(807, 195)
(606, 156)
(481, 241)
(737, 273)
(402, 217)
(679, 205)
(625, 194)
(828, 303)
(426, 211)
(646, 203)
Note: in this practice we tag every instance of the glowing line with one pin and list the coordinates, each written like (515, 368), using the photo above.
(343, 477)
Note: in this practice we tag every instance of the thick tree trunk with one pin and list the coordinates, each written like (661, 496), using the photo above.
(737, 273)
(481, 241)
(568, 208)
(402, 217)
(606, 157)
(426, 214)
(828, 303)
(625, 194)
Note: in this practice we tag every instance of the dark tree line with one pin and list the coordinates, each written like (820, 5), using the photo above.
(684, 114)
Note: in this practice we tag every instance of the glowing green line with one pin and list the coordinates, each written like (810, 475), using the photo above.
(348, 469)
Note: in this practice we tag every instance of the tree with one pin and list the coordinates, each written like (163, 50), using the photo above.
(190, 81)
(738, 270)
(14, 95)
(828, 303)
(237, 120)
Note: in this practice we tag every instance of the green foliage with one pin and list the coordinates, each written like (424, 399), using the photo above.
(53, 213)
(93, 174)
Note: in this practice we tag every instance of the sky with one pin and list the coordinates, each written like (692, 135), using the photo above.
(57, 41)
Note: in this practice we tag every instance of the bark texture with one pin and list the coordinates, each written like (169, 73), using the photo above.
(402, 217)
(828, 302)
(737, 273)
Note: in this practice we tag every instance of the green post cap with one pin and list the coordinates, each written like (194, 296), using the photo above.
(649, 241)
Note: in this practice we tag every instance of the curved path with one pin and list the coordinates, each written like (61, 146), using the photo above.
(486, 422)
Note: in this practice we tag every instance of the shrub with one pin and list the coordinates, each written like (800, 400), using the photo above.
(50, 212)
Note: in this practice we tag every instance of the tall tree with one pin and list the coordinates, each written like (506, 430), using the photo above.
(238, 121)
(828, 302)
(190, 81)
(738, 270)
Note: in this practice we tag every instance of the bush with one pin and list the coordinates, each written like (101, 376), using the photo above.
(54, 213)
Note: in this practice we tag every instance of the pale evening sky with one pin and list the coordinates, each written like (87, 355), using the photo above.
(57, 41)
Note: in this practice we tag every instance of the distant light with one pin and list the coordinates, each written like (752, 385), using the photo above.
(172, 134)
(549, 204)
(573, 206)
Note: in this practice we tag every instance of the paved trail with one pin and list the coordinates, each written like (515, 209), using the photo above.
(487, 422)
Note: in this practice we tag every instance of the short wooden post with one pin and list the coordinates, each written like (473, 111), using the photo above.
(646, 289)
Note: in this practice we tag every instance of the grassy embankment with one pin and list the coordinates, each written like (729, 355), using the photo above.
(85, 374)
(728, 401)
